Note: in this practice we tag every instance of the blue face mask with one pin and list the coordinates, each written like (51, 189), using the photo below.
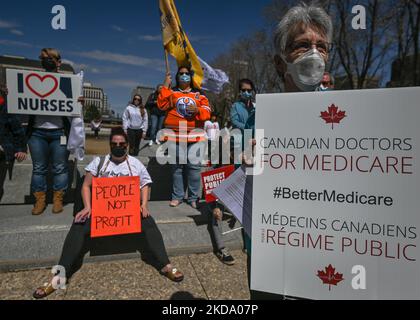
(246, 95)
(185, 78)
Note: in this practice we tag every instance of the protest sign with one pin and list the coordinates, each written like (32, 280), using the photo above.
(212, 179)
(335, 210)
(236, 194)
(43, 93)
(115, 206)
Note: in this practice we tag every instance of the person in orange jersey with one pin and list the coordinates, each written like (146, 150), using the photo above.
(187, 109)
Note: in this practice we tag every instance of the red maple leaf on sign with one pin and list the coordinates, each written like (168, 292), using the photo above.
(333, 115)
(330, 277)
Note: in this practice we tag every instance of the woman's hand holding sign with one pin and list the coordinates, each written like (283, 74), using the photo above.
(83, 215)
(145, 211)
(145, 202)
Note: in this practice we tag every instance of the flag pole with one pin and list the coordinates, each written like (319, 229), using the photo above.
(168, 71)
(167, 62)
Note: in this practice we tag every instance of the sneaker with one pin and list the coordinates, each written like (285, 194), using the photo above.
(150, 143)
(158, 142)
(225, 257)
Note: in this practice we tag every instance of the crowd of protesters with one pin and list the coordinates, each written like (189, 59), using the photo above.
(175, 111)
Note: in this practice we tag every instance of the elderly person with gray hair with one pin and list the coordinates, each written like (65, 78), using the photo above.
(303, 41)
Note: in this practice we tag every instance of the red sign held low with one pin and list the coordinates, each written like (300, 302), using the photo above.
(115, 206)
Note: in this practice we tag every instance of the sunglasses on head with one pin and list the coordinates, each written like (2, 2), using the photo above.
(121, 144)
(45, 58)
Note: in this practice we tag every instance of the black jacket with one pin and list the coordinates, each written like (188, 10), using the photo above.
(151, 105)
(12, 135)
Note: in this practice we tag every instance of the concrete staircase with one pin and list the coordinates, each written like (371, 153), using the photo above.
(33, 242)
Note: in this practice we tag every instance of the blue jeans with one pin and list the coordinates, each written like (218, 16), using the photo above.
(157, 125)
(45, 146)
(193, 174)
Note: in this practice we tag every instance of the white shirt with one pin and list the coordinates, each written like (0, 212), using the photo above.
(212, 129)
(132, 119)
(95, 125)
(111, 169)
(48, 122)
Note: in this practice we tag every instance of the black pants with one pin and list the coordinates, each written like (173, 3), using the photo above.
(134, 139)
(77, 244)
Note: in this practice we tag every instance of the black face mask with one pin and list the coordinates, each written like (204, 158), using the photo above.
(118, 152)
(48, 64)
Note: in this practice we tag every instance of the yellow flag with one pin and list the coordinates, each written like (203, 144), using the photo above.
(176, 41)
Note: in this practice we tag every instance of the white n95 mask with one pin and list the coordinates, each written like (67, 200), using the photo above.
(307, 70)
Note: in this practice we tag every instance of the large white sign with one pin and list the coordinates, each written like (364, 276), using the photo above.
(336, 210)
(41, 93)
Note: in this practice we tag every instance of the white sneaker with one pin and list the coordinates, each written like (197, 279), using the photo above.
(150, 143)
(158, 142)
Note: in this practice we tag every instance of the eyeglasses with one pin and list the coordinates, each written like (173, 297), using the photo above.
(246, 90)
(184, 74)
(122, 144)
(305, 45)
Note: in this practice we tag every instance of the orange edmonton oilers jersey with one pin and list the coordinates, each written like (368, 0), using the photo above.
(178, 121)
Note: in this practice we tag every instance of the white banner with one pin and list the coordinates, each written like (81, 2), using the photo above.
(41, 93)
(214, 79)
(336, 209)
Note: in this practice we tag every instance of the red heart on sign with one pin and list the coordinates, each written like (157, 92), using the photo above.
(42, 79)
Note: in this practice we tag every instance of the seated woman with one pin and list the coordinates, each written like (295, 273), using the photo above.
(76, 245)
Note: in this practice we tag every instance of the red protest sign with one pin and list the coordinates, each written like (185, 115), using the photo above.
(115, 206)
(212, 179)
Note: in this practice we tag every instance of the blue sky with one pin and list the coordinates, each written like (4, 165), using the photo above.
(118, 44)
